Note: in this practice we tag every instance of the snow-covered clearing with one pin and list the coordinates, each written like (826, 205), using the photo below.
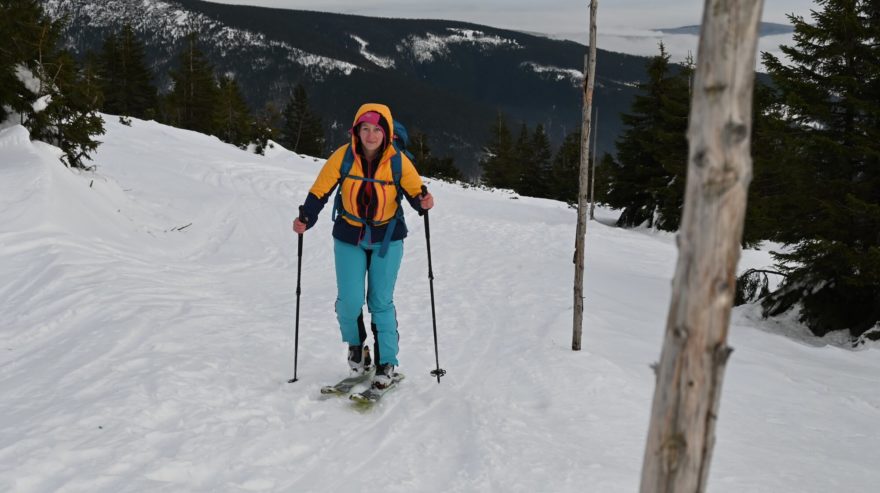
(147, 339)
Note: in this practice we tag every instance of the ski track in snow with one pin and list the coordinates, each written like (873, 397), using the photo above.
(142, 355)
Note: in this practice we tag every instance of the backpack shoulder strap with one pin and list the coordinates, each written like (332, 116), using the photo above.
(347, 162)
(344, 170)
(397, 174)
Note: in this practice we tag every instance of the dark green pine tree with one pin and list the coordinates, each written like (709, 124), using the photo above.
(831, 93)
(429, 165)
(126, 81)
(302, 130)
(500, 168)
(266, 127)
(522, 155)
(72, 114)
(773, 200)
(193, 100)
(11, 88)
(233, 119)
(421, 151)
(536, 178)
(603, 172)
(91, 79)
(444, 168)
(672, 146)
(53, 105)
(26, 32)
(647, 179)
(565, 173)
(109, 74)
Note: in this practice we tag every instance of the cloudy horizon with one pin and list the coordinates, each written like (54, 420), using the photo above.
(553, 17)
(625, 26)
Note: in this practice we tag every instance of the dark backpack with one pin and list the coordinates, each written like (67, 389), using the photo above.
(400, 142)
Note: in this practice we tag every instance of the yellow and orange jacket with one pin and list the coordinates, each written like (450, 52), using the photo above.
(385, 209)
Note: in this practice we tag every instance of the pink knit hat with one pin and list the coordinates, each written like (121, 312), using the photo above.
(370, 117)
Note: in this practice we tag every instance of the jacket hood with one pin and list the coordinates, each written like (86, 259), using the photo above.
(386, 114)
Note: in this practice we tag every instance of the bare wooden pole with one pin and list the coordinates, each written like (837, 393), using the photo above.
(583, 182)
(595, 131)
(691, 369)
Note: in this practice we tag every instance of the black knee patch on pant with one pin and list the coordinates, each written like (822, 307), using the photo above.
(376, 355)
(362, 329)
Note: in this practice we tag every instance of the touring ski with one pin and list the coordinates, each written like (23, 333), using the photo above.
(373, 394)
(345, 385)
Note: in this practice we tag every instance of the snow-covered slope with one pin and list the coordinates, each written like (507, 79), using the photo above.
(147, 338)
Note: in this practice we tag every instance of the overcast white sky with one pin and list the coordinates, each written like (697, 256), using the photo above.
(546, 16)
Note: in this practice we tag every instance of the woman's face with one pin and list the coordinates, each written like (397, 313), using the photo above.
(371, 137)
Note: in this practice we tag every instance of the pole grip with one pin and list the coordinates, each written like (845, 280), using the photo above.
(424, 192)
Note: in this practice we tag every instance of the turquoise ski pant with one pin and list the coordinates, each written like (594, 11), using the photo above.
(352, 266)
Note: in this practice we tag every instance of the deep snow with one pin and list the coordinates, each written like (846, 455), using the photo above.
(147, 338)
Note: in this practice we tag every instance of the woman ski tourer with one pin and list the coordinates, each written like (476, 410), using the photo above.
(373, 174)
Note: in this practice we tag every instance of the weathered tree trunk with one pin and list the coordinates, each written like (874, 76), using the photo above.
(691, 369)
(583, 183)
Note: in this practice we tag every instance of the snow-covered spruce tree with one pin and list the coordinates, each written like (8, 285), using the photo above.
(302, 130)
(831, 156)
(647, 178)
(42, 85)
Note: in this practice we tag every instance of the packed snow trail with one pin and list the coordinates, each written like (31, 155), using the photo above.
(148, 327)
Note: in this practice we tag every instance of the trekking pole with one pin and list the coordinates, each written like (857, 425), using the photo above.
(299, 257)
(439, 372)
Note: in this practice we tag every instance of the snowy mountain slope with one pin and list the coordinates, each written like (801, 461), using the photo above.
(170, 22)
(448, 79)
(147, 338)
